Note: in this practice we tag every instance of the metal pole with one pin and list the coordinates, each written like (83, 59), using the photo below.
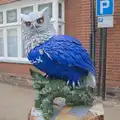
(104, 64)
(100, 61)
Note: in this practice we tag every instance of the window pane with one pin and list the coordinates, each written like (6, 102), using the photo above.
(1, 17)
(12, 42)
(27, 10)
(60, 10)
(12, 16)
(23, 49)
(60, 29)
(1, 44)
(40, 7)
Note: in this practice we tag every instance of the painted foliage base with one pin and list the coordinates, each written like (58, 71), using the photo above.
(48, 89)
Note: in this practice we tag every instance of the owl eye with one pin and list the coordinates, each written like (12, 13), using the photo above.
(28, 24)
(40, 20)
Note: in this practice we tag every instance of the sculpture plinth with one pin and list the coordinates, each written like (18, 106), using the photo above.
(48, 89)
(95, 112)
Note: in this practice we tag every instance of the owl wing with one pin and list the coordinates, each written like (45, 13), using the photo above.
(69, 51)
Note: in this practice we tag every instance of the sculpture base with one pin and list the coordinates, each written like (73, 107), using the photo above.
(71, 113)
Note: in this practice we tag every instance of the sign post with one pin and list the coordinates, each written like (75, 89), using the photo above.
(104, 11)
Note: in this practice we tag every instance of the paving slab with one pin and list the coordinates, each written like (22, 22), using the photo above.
(112, 109)
(15, 102)
(112, 113)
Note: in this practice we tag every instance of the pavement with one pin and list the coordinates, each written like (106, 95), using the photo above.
(112, 113)
(16, 102)
(112, 109)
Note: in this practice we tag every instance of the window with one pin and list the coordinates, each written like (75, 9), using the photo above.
(12, 16)
(59, 10)
(60, 29)
(27, 10)
(1, 17)
(61, 17)
(23, 51)
(12, 42)
(40, 7)
(1, 44)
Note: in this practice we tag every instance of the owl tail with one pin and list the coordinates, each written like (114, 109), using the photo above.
(91, 82)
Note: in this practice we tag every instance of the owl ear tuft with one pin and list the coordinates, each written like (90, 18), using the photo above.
(44, 10)
(22, 16)
(25, 17)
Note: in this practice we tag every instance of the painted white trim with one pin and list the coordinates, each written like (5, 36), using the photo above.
(10, 25)
(55, 15)
(63, 11)
(61, 21)
(3, 42)
(35, 8)
(23, 61)
(18, 16)
(18, 6)
(19, 41)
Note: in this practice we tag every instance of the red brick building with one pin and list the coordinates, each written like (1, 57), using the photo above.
(113, 50)
(72, 17)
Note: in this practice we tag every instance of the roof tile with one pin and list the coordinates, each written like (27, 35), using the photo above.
(6, 1)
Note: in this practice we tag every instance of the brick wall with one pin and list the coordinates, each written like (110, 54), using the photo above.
(113, 50)
(15, 74)
(77, 19)
(16, 69)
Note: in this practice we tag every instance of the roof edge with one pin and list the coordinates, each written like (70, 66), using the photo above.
(8, 1)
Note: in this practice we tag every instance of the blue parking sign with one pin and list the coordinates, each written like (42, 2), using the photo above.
(104, 7)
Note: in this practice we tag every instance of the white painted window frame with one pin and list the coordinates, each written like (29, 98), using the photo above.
(17, 25)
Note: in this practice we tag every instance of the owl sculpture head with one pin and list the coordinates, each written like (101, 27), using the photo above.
(36, 21)
(36, 29)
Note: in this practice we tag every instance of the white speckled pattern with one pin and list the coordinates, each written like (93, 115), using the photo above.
(34, 38)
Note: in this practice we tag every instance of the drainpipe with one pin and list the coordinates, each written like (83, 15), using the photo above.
(92, 40)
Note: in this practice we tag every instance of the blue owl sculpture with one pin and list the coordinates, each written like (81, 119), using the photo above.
(59, 56)
(64, 60)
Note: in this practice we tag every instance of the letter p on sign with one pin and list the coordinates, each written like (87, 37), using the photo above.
(104, 4)
(104, 7)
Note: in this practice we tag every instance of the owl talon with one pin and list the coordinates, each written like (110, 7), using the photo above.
(79, 83)
(68, 82)
(73, 84)
(46, 75)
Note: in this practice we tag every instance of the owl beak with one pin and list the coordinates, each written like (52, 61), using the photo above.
(34, 25)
